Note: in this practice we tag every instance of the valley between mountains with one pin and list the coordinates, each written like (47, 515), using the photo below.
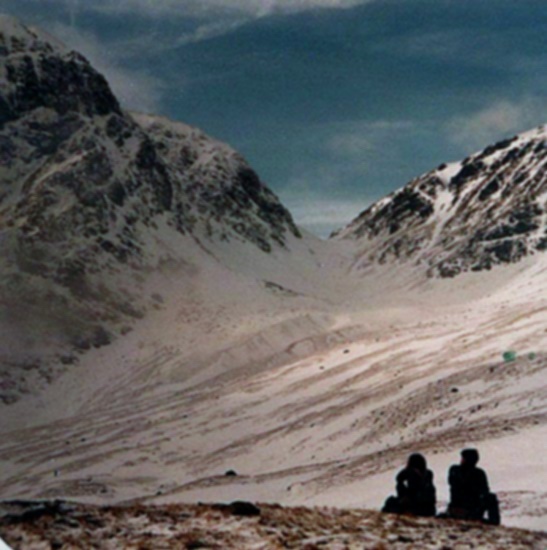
(165, 322)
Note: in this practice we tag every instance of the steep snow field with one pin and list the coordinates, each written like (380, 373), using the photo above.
(311, 400)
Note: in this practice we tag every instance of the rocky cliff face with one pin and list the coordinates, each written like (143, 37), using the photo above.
(488, 209)
(215, 193)
(86, 187)
(39, 72)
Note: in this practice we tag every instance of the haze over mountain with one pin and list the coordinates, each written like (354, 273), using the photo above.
(164, 320)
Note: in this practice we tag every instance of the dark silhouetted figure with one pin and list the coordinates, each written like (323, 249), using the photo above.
(470, 496)
(415, 490)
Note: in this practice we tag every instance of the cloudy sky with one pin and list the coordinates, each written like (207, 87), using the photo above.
(334, 102)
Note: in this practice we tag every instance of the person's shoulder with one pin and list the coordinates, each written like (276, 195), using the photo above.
(455, 468)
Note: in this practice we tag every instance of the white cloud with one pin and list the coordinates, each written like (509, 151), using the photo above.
(135, 90)
(209, 30)
(315, 204)
(354, 139)
(322, 215)
(208, 8)
(350, 144)
(497, 121)
(210, 18)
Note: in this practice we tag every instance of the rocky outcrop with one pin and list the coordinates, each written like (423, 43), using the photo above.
(37, 73)
(34, 525)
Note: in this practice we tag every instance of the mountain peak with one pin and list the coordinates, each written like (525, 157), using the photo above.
(94, 199)
(38, 71)
(15, 37)
(471, 215)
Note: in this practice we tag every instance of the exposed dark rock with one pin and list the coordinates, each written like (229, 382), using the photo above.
(503, 144)
(25, 511)
(64, 84)
(242, 508)
(239, 508)
(468, 171)
(508, 250)
(489, 189)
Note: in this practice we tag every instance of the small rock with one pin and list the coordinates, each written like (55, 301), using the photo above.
(243, 508)
(68, 522)
(194, 544)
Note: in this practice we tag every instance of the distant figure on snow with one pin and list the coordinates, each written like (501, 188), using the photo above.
(470, 496)
(415, 490)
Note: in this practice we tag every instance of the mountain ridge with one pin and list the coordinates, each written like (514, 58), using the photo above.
(486, 210)
(93, 199)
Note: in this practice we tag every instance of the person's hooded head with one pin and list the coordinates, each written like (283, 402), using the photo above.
(416, 461)
(470, 457)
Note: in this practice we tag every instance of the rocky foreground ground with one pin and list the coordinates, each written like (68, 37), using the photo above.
(64, 525)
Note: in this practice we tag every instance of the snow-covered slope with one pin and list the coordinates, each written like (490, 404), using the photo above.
(94, 199)
(308, 405)
(489, 209)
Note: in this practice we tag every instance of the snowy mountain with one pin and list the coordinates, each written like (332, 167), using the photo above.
(93, 198)
(489, 209)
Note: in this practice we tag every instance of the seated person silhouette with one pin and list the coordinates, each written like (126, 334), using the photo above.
(470, 496)
(415, 490)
